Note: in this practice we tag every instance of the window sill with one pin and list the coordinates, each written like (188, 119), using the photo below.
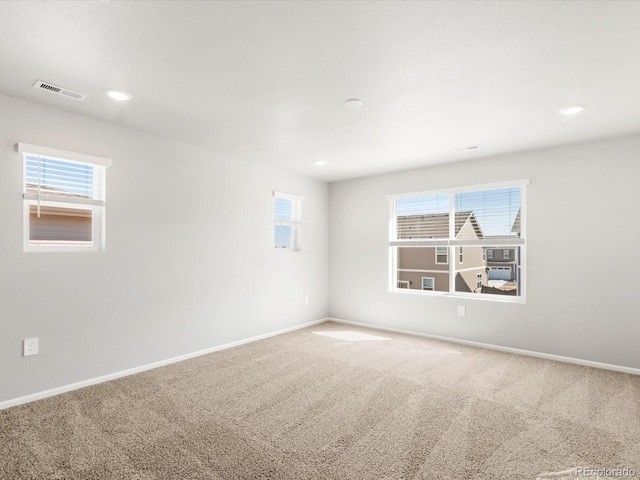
(461, 295)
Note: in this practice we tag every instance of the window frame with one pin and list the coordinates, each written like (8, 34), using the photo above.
(295, 222)
(446, 254)
(433, 284)
(97, 207)
(451, 242)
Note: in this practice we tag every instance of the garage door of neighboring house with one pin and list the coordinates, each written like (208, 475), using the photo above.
(500, 273)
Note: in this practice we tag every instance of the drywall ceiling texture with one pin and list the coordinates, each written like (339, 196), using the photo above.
(266, 80)
(189, 261)
(582, 254)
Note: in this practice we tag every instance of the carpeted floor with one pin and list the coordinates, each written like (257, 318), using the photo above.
(332, 402)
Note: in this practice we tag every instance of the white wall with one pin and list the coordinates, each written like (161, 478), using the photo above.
(583, 254)
(189, 261)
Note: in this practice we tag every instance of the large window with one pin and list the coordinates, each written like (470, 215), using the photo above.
(287, 221)
(64, 200)
(466, 224)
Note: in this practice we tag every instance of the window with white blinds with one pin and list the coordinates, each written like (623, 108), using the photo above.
(64, 199)
(287, 221)
(450, 236)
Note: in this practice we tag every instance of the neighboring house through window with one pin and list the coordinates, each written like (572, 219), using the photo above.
(64, 200)
(468, 224)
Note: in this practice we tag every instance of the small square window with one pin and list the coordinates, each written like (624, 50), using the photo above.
(442, 255)
(428, 283)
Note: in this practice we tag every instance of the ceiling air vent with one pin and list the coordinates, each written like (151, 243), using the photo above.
(65, 92)
(467, 148)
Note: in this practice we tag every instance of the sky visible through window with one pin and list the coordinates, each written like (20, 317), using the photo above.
(495, 210)
(59, 175)
(283, 209)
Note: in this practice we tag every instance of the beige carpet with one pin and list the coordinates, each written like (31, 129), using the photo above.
(333, 402)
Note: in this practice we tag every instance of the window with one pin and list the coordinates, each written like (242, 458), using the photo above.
(442, 255)
(287, 221)
(468, 224)
(428, 283)
(64, 200)
(403, 284)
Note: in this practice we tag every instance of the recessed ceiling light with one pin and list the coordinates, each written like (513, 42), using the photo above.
(572, 110)
(353, 103)
(119, 95)
(320, 162)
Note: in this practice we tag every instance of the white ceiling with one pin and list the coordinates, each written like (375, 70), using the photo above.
(267, 81)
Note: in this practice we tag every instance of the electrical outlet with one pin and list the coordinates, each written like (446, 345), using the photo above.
(462, 310)
(30, 347)
(306, 298)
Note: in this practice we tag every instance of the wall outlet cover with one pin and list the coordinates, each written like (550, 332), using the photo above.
(30, 347)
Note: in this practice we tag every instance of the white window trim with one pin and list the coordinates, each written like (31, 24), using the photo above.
(451, 243)
(56, 154)
(404, 282)
(295, 224)
(446, 262)
(96, 206)
(433, 282)
(469, 188)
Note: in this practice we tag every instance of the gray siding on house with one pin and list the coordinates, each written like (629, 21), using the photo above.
(423, 259)
(466, 280)
(500, 262)
(441, 280)
(472, 261)
(419, 258)
(59, 225)
(414, 263)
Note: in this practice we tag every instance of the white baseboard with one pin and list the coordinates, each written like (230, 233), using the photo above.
(529, 353)
(112, 376)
